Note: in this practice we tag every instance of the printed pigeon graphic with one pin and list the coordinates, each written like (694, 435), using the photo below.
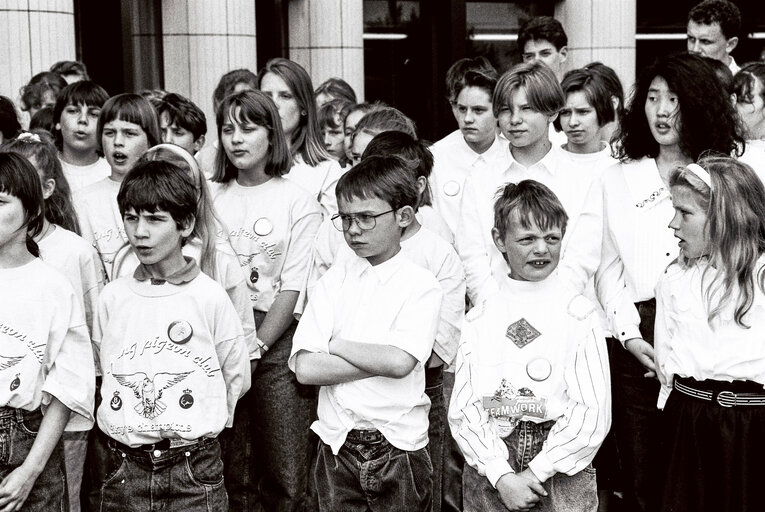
(9, 361)
(149, 391)
(245, 259)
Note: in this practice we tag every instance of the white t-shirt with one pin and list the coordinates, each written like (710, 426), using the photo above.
(228, 275)
(80, 176)
(173, 357)
(46, 349)
(533, 352)
(393, 303)
(320, 181)
(271, 228)
(78, 261)
(100, 219)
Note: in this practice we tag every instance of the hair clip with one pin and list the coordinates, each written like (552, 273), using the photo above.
(29, 137)
(700, 173)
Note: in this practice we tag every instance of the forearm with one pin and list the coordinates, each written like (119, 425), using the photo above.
(382, 360)
(321, 369)
(278, 318)
(51, 429)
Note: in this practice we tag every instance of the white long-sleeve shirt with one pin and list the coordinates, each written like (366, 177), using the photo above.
(393, 303)
(687, 346)
(485, 266)
(533, 352)
(637, 242)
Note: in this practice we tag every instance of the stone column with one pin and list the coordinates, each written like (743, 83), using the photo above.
(326, 37)
(601, 30)
(37, 35)
(202, 41)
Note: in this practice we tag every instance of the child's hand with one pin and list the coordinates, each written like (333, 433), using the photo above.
(519, 493)
(15, 488)
(643, 352)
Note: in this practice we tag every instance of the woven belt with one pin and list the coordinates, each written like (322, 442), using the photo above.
(358, 436)
(723, 398)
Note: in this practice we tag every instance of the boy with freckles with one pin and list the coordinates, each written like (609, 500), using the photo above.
(531, 404)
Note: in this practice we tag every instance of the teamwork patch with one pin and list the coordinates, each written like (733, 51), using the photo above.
(522, 333)
(510, 404)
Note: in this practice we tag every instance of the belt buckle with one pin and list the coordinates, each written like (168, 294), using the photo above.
(726, 394)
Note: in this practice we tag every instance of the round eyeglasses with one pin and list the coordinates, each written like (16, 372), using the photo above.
(365, 221)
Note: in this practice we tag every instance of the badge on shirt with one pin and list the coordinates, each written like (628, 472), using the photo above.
(148, 391)
(538, 369)
(262, 227)
(15, 383)
(522, 333)
(451, 188)
(116, 402)
(186, 400)
(180, 332)
(510, 404)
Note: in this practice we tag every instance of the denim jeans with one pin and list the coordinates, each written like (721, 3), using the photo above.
(183, 479)
(75, 450)
(281, 416)
(18, 431)
(576, 493)
(434, 388)
(373, 477)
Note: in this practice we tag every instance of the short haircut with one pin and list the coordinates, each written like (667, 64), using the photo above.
(744, 82)
(611, 81)
(155, 96)
(183, 112)
(332, 112)
(594, 90)
(9, 119)
(84, 92)
(533, 201)
(455, 76)
(229, 81)
(255, 107)
(70, 67)
(381, 177)
(131, 108)
(542, 89)
(19, 178)
(386, 119)
(723, 12)
(159, 185)
(479, 79)
(417, 157)
(542, 28)
(337, 88)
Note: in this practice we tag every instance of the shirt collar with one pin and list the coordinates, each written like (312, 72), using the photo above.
(383, 271)
(547, 163)
(184, 275)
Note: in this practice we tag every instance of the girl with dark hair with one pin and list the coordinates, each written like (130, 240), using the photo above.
(678, 111)
(48, 384)
(272, 223)
(62, 248)
(289, 86)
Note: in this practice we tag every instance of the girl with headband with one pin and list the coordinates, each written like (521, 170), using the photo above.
(710, 321)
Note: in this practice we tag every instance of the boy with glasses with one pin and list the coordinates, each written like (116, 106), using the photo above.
(365, 337)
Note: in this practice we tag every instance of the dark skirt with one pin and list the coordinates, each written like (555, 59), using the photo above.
(714, 454)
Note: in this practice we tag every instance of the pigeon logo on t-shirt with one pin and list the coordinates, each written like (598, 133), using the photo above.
(149, 391)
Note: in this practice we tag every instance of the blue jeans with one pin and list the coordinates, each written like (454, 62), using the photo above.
(183, 479)
(18, 430)
(373, 477)
(453, 461)
(282, 411)
(434, 388)
(576, 493)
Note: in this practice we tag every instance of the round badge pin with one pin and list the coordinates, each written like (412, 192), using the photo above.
(538, 369)
(180, 332)
(262, 227)
(186, 399)
(451, 188)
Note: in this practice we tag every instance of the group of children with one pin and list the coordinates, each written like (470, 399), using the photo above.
(307, 274)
